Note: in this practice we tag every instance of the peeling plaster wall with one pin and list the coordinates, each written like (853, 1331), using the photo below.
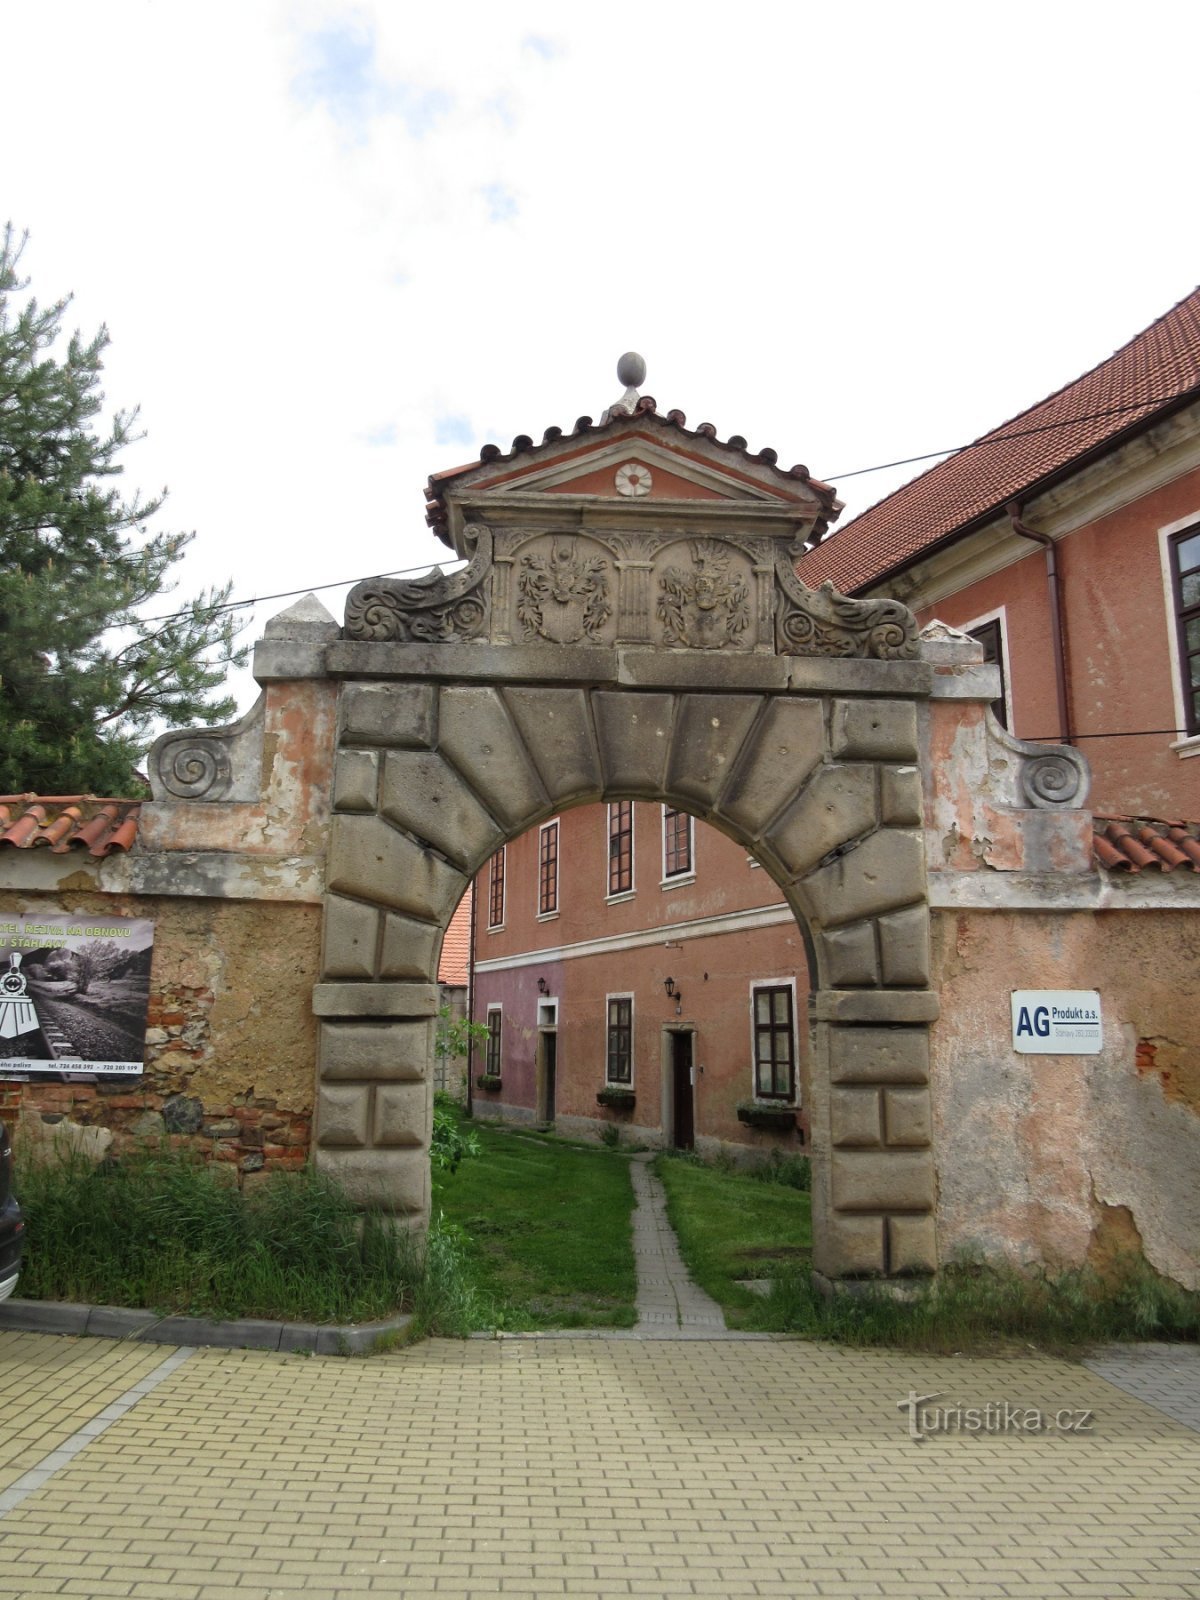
(231, 1037)
(1062, 1159)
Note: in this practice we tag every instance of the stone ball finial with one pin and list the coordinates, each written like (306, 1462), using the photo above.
(631, 369)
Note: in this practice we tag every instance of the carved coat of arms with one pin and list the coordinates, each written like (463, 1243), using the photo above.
(705, 606)
(563, 597)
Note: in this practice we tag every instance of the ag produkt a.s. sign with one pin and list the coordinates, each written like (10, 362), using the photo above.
(1056, 1022)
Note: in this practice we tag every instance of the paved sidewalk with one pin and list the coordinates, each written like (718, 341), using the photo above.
(668, 1302)
(581, 1467)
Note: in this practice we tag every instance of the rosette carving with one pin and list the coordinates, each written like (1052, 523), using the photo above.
(822, 622)
(194, 765)
(431, 609)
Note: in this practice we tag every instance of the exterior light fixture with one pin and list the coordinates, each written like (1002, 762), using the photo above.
(543, 986)
(669, 986)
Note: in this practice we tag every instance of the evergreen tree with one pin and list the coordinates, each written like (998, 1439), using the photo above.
(83, 681)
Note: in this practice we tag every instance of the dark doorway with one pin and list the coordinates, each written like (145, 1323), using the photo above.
(683, 1130)
(547, 1063)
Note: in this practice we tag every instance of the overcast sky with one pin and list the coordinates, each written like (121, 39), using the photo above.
(339, 246)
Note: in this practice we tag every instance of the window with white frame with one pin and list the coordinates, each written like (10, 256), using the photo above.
(774, 1031)
(678, 854)
(1185, 582)
(620, 848)
(492, 1055)
(619, 1061)
(496, 889)
(548, 869)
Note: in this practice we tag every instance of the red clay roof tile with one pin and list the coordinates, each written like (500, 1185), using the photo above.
(1131, 844)
(62, 823)
(456, 946)
(1154, 371)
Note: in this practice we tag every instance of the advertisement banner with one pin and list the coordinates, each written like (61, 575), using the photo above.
(73, 996)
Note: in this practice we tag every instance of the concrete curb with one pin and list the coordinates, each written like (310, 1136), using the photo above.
(118, 1322)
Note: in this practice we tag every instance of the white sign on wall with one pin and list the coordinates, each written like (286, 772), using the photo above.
(1056, 1022)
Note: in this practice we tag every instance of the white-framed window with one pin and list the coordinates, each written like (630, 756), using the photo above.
(773, 1039)
(618, 1066)
(496, 889)
(1179, 553)
(547, 902)
(620, 849)
(991, 630)
(492, 1058)
(678, 845)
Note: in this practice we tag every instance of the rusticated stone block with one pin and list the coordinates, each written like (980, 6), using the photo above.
(904, 946)
(399, 715)
(881, 1008)
(907, 1117)
(886, 870)
(400, 1000)
(709, 732)
(394, 1180)
(901, 800)
(376, 1052)
(355, 780)
(787, 745)
(837, 805)
(426, 797)
(634, 731)
(850, 956)
(855, 1117)
(342, 1117)
(351, 934)
(557, 731)
(874, 730)
(850, 1247)
(878, 1055)
(881, 1180)
(477, 735)
(408, 948)
(402, 1114)
(912, 1244)
(370, 860)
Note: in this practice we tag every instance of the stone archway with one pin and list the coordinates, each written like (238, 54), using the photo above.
(817, 776)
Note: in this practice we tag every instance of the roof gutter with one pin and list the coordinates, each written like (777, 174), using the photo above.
(1057, 620)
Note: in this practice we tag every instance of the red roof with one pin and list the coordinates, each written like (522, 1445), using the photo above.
(647, 407)
(1154, 371)
(63, 823)
(1129, 844)
(456, 946)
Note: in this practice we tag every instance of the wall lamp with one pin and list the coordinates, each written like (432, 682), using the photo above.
(543, 986)
(674, 994)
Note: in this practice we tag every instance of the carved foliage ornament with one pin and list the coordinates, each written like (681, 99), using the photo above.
(563, 596)
(704, 606)
(822, 622)
(432, 608)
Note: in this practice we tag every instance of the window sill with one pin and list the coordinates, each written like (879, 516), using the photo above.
(499, 928)
(620, 899)
(1190, 746)
(547, 916)
(680, 881)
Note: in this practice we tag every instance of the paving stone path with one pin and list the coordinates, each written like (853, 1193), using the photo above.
(669, 1304)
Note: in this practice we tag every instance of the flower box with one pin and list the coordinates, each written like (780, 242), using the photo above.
(616, 1097)
(771, 1119)
(490, 1081)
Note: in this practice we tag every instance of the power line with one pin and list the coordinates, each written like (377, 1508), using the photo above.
(1128, 733)
(834, 477)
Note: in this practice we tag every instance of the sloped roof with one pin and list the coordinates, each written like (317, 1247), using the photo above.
(62, 823)
(1158, 369)
(1131, 844)
(453, 963)
(524, 448)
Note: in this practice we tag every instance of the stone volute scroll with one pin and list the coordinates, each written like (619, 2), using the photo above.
(822, 622)
(436, 607)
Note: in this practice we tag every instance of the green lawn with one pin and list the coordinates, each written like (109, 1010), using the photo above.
(730, 1226)
(548, 1230)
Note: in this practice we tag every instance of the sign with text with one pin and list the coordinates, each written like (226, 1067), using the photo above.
(73, 996)
(1056, 1022)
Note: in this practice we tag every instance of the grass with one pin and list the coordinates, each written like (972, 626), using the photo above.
(163, 1231)
(546, 1231)
(731, 1225)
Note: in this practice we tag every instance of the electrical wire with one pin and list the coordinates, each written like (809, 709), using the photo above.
(834, 477)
